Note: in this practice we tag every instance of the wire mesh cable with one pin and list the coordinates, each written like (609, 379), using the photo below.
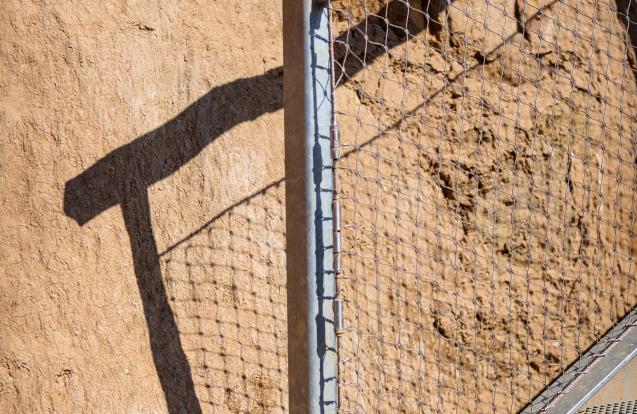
(486, 184)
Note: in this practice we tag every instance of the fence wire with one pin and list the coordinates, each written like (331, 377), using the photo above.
(486, 184)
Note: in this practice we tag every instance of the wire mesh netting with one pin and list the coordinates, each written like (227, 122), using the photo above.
(587, 381)
(486, 183)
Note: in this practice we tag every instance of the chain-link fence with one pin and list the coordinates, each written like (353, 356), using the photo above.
(487, 185)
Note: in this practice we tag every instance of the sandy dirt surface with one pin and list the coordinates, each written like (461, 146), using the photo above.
(488, 188)
(142, 265)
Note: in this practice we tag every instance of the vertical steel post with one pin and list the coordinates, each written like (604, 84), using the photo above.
(309, 179)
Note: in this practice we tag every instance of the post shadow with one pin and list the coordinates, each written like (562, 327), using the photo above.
(123, 177)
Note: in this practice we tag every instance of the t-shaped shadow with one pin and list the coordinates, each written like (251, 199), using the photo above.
(156, 155)
(123, 176)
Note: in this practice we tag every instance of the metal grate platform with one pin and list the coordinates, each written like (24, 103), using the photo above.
(619, 407)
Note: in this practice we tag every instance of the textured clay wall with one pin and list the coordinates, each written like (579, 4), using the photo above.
(142, 263)
(142, 250)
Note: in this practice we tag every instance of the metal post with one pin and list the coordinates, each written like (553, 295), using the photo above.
(309, 179)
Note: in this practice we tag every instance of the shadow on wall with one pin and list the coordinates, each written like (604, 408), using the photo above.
(226, 286)
(123, 176)
(627, 14)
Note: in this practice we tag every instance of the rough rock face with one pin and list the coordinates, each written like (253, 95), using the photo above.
(488, 189)
(142, 259)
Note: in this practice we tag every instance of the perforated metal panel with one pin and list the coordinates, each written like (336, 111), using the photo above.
(619, 407)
